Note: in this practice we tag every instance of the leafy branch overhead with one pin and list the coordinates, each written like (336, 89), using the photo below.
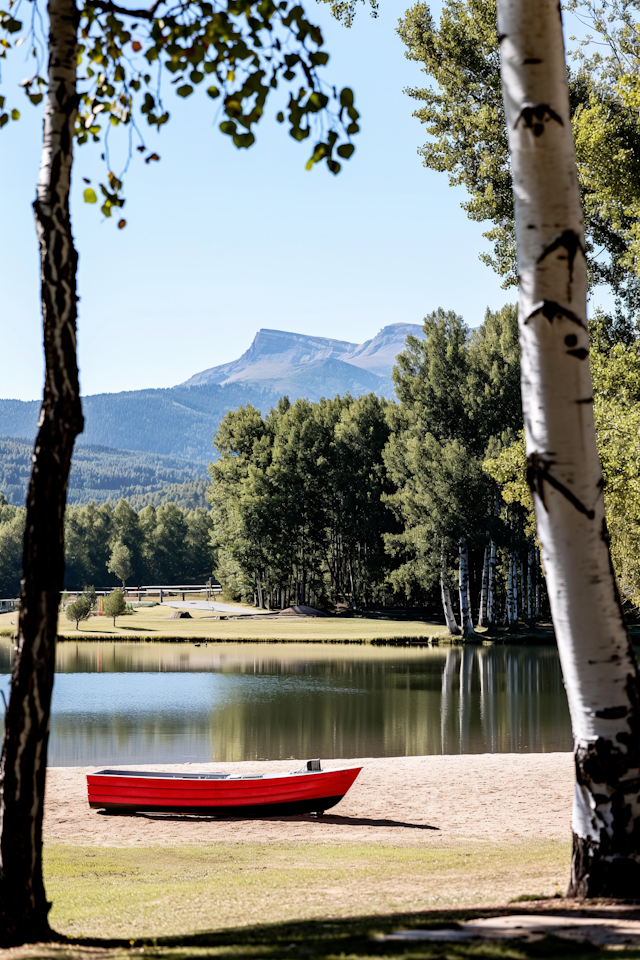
(238, 52)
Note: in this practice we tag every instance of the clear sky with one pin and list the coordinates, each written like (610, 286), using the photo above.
(221, 242)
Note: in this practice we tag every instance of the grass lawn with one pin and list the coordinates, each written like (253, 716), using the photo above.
(141, 892)
(154, 623)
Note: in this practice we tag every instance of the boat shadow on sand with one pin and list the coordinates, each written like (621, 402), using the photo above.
(332, 819)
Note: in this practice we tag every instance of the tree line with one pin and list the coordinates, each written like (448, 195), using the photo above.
(161, 545)
(366, 501)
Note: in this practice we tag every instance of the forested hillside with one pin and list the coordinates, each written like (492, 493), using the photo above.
(102, 474)
(177, 422)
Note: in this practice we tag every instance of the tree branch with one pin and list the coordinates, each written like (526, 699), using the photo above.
(108, 7)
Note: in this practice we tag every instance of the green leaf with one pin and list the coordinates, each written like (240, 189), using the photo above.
(352, 128)
(244, 139)
(4, 118)
(213, 92)
(345, 150)
(185, 90)
(1, 102)
(319, 59)
(208, 67)
(15, 114)
(35, 98)
(280, 116)
(346, 97)
(228, 127)
(195, 76)
(90, 196)
(334, 166)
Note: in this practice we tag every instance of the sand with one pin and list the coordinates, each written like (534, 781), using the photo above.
(398, 801)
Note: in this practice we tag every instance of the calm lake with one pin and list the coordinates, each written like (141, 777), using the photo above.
(167, 702)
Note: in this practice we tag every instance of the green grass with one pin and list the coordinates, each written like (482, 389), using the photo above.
(154, 623)
(265, 902)
(137, 892)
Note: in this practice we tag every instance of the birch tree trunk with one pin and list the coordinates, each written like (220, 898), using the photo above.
(447, 606)
(23, 904)
(491, 588)
(465, 613)
(598, 661)
(482, 613)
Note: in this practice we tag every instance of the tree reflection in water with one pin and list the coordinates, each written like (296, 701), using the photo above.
(160, 702)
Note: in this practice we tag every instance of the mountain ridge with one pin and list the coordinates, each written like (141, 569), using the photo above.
(276, 355)
(180, 421)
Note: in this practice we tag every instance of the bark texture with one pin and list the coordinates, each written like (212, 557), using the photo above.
(491, 587)
(482, 612)
(598, 661)
(447, 606)
(465, 606)
(23, 904)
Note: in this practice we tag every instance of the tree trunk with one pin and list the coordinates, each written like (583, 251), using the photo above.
(23, 905)
(491, 588)
(530, 581)
(465, 613)
(513, 572)
(509, 596)
(482, 613)
(447, 606)
(598, 662)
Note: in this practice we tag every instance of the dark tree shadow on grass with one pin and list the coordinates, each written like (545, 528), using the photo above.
(363, 937)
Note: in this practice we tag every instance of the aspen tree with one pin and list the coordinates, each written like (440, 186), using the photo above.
(598, 662)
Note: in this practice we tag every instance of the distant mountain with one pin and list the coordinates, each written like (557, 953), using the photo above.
(103, 474)
(300, 365)
(180, 421)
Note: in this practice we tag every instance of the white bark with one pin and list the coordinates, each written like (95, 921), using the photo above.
(465, 612)
(491, 588)
(482, 613)
(598, 662)
(447, 606)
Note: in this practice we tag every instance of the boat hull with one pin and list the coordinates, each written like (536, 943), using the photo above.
(219, 795)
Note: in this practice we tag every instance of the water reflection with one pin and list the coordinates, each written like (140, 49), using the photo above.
(160, 702)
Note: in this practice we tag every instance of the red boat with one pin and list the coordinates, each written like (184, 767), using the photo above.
(310, 790)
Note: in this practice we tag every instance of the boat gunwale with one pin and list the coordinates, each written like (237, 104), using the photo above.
(216, 776)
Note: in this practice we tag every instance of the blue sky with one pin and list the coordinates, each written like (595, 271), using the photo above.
(222, 242)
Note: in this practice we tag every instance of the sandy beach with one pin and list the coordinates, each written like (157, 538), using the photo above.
(398, 801)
